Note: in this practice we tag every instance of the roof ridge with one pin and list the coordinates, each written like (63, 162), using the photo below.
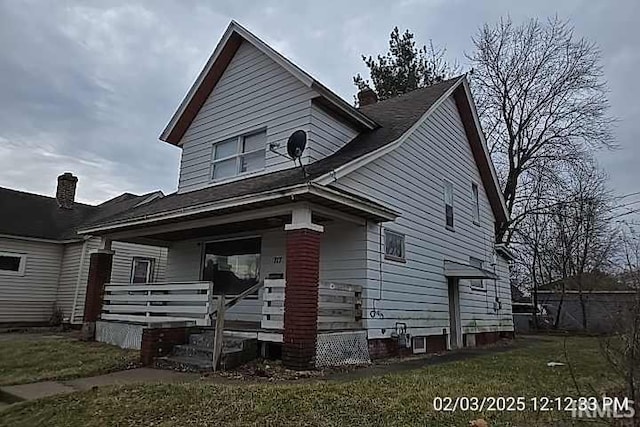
(413, 91)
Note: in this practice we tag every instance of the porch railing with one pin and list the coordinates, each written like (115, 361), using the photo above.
(159, 302)
(339, 306)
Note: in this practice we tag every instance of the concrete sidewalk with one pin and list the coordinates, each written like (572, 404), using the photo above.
(16, 393)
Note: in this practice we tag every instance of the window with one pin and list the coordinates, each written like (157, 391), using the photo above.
(394, 245)
(239, 155)
(142, 270)
(476, 283)
(12, 264)
(476, 203)
(448, 203)
(232, 265)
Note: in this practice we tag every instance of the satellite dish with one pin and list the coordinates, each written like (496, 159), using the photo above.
(296, 144)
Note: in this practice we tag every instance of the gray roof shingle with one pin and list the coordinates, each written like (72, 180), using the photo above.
(32, 215)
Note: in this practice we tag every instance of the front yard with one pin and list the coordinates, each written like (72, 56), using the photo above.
(27, 358)
(394, 399)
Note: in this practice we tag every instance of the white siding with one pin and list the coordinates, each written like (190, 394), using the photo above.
(123, 261)
(120, 270)
(343, 253)
(410, 179)
(326, 134)
(30, 298)
(253, 92)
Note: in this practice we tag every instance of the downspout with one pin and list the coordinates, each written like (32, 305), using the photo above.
(79, 279)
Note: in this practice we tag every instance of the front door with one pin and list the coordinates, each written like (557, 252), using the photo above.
(455, 329)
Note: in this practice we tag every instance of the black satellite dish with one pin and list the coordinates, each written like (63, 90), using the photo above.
(296, 144)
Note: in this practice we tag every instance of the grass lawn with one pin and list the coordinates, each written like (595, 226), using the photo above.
(26, 359)
(395, 399)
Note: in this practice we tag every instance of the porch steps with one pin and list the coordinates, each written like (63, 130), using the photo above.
(197, 356)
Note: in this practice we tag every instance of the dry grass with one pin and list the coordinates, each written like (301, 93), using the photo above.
(395, 399)
(29, 359)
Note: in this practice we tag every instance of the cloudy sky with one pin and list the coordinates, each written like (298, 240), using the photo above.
(88, 86)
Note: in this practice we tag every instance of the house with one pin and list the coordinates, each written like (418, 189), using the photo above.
(44, 263)
(380, 235)
(595, 302)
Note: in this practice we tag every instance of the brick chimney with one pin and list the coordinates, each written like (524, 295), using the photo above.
(66, 191)
(367, 97)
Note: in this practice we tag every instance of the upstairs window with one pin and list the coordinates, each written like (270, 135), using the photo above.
(448, 203)
(394, 246)
(475, 200)
(476, 283)
(12, 264)
(239, 155)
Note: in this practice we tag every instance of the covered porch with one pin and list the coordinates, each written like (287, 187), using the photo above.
(288, 273)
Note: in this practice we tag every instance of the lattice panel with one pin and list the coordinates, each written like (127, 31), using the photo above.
(342, 348)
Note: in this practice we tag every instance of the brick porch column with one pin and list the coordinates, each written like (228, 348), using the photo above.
(301, 291)
(99, 274)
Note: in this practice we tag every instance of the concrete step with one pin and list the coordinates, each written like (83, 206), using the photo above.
(205, 340)
(184, 363)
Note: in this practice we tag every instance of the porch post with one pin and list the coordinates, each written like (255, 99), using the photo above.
(301, 290)
(99, 274)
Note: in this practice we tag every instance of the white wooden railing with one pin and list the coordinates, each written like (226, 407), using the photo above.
(339, 306)
(159, 302)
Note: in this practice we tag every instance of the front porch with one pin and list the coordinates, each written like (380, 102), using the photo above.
(290, 277)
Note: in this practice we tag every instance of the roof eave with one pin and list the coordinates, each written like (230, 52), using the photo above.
(376, 210)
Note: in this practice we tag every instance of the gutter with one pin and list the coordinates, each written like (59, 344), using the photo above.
(296, 190)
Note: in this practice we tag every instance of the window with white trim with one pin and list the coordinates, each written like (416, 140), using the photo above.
(448, 204)
(475, 200)
(476, 283)
(394, 245)
(142, 270)
(12, 263)
(239, 155)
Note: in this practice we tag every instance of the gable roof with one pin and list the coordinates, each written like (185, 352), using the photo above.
(39, 217)
(234, 35)
(397, 117)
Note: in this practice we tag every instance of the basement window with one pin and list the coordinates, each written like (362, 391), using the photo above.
(239, 155)
(12, 264)
(394, 246)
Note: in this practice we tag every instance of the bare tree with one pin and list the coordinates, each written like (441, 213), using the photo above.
(567, 233)
(622, 350)
(541, 98)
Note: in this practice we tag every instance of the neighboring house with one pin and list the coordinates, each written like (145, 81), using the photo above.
(44, 263)
(398, 199)
(608, 301)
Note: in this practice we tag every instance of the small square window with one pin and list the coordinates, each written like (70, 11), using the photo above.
(394, 246)
(12, 264)
(476, 283)
(142, 270)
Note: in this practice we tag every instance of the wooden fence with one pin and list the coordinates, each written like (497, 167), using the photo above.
(159, 302)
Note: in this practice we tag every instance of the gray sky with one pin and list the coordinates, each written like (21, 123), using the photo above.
(88, 86)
